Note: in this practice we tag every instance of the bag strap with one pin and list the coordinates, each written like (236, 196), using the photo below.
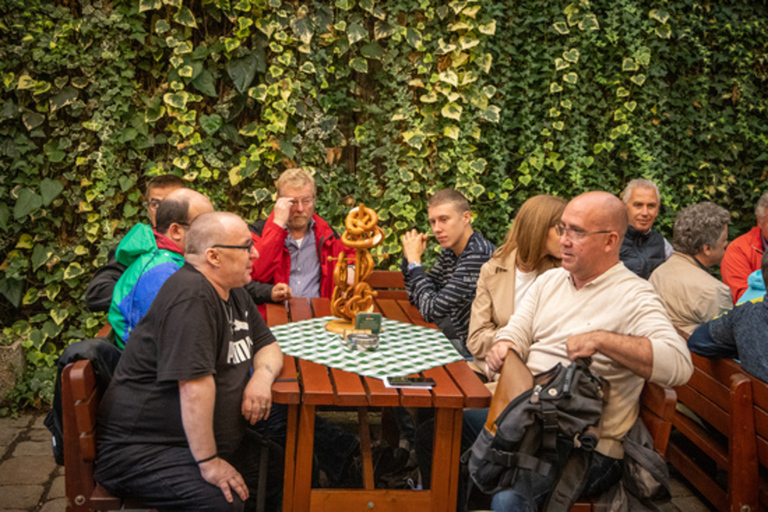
(520, 460)
(570, 485)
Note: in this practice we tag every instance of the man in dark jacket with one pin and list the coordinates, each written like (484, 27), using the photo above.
(295, 245)
(643, 248)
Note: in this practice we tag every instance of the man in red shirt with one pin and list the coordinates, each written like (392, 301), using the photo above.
(743, 254)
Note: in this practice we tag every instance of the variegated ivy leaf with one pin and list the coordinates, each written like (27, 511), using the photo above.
(442, 11)
(558, 125)
(185, 17)
(308, 68)
(442, 47)
(457, 6)
(173, 3)
(356, 33)
(414, 139)
(630, 105)
(186, 71)
(554, 87)
(561, 64)
(589, 22)
(73, 270)
(488, 29)
(382, 29)
(59, 315)
(466, 42)
(430, 97)
(147, 5)
(449, 76)
(302, 27)
(638, 79)
(452, 111)
(460, 25)
(452, 131)
(489, 91)
(561, 28)
(622, 92)
(484, 62)
(176, 100)
(234, 175)
(571, 55)
(628, 64)
(643, 56)
(492, 114)
(413, 37)
(571, 78)
(25, 82)
(566, 104)
(469, 77)
(345, 4)
(162, 26)
(553, 112)
(359, 64)
(658, 15)
(664, 31)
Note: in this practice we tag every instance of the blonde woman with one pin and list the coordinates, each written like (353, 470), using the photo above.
(531, 248)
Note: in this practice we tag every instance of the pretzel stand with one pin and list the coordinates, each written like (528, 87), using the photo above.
(362, 233)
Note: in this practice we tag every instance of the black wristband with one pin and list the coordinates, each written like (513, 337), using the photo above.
(198, 462)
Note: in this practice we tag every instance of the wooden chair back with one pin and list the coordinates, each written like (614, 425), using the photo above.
(388, 284)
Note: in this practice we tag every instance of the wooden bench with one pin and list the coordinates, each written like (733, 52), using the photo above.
(734, 437)
(388, 284)
(80, 403)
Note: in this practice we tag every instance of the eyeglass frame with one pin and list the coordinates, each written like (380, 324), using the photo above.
(153, 204)
(246, 247)
(577, 234)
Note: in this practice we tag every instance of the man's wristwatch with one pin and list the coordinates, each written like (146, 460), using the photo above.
(413, 265)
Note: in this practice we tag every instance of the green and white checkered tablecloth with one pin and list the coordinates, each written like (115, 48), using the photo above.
(403, 348)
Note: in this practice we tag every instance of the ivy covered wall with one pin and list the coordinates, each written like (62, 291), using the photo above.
(386, 101)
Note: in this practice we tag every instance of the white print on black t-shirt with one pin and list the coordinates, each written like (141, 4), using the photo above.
(237, 325)
(240, 351)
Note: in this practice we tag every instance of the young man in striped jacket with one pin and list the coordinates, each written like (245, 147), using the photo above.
(444, 295)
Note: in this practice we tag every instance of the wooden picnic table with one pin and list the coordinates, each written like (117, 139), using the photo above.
(304, 385)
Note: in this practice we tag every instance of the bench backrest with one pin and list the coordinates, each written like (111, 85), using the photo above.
(388, 284)
(721, 394)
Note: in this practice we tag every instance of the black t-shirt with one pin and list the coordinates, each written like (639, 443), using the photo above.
(189, 332)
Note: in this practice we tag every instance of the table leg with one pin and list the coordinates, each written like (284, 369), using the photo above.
(445, 459)
(365, 448)
(290, 457)
(304, 450)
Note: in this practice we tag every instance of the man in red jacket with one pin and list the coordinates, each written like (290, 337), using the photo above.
(294, 243)
(743, 254)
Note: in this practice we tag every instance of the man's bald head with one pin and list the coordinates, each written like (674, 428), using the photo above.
(209, 229)
(181, 207)
(593, 227)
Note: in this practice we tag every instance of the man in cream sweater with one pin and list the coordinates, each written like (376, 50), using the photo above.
(594, 307)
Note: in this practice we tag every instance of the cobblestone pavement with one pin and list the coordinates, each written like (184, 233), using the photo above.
(30, 480)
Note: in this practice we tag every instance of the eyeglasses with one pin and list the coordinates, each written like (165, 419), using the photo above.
(153, 204)
(574, 233)
(246, 247)
(306, 202)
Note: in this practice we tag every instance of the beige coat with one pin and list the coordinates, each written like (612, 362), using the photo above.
(493, 305)
(690, 294)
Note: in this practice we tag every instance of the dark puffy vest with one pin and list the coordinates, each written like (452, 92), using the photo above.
(642, 253)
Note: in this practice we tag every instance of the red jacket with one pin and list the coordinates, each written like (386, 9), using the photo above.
(274, 262)
(742, 257)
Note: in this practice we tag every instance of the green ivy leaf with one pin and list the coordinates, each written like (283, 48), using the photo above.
(372, 50)
(126, 183)
(27, 202)
(50, 189)
(664, 31)
(5, 214)
(40, 255)
(205, 83)
(287, 148)
(185, 17)
(211, 124)
(12, 289)
(242, 71)
(32, 119)
(525, 179)
(359, 64)
(345, 4)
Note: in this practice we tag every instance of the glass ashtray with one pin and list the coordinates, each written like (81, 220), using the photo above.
(361, 342)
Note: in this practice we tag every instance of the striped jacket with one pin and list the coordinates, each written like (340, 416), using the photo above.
(448, 289)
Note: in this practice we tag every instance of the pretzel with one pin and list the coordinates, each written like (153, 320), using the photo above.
(361, 220)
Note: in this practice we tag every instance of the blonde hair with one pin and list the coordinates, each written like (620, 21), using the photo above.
(296, 178)
(529, 233)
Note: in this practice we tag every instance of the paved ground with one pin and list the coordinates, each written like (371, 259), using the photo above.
(30, 481)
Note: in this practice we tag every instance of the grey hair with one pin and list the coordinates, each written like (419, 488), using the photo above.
(762, 205)
(699, 225)
(639, 183)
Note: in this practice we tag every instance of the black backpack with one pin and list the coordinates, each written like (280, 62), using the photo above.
(544, 438)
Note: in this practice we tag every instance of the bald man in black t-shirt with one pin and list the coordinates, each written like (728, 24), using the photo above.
(198, 369)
